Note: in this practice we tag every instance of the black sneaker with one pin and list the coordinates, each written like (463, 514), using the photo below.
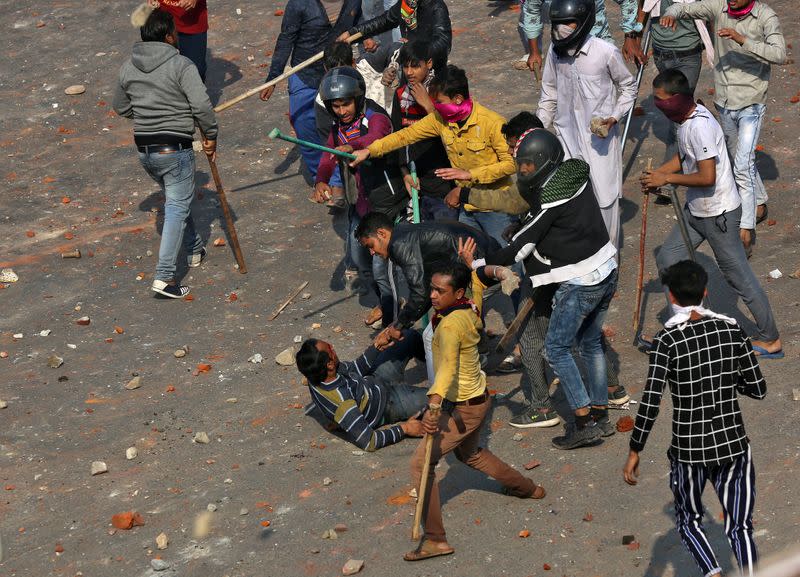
(574, 437)
(663, 199)
(602, 420)
(170, 290)
(533, 418)
(195, 260)
(619, 396)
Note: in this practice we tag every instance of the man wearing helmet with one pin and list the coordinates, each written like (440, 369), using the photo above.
(563, 240)
(586, 84)
(307, 27)
(358, 122)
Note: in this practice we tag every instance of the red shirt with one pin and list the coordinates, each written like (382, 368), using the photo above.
(193, 21)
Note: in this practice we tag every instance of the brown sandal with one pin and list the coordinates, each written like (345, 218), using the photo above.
(428, 549)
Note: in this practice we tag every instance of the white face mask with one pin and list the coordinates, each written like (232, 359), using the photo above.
(562, 31)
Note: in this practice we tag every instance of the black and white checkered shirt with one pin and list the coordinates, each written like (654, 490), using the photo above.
(705, 363)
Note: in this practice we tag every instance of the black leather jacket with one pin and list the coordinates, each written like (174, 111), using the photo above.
(433, 26)
(416, 248)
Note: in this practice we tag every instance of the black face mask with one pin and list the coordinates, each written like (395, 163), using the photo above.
(530, 190)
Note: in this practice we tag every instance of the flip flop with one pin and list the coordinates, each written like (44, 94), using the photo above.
(763, 353)
(426, 550)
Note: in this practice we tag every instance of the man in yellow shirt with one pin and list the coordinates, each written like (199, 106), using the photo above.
(460, 389)
(474, 142)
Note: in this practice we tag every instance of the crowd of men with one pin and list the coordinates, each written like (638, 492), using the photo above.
(458, 199)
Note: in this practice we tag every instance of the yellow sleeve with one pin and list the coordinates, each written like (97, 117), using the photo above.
(477, 292)
(446, 362)
(428, 127)
(497, 199)
(504, 166)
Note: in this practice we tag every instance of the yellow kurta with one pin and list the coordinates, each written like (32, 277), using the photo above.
(455, 352)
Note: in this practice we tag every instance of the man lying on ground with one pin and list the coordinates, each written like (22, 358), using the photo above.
(363, 395)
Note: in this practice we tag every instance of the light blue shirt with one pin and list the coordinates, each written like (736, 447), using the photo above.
(597, 276)
(530, 18)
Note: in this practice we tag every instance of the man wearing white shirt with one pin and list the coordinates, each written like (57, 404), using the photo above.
(714, 206)
(585, 78)
(681, 48)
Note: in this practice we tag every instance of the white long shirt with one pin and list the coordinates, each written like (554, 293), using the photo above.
(595, 82)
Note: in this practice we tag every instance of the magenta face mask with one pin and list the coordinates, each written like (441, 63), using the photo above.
(741, 12)
(676, 107)
(452, 112)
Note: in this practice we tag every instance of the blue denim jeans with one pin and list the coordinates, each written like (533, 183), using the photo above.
(304, 120)
(193, 46)
(402, 400)
(355, 255)
(433, 208)
(493, 224)
(741, 129)
(722, 234)
(174, 172)
(577, 318)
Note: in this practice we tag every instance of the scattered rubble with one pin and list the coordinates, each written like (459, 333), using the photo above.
(352, 566)
(134, 383)
(201, 437)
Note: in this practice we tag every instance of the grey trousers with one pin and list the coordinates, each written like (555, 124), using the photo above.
(722, 234)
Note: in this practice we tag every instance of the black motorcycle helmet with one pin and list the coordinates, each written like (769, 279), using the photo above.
(542, 149)
(567, 12)
(343, 82)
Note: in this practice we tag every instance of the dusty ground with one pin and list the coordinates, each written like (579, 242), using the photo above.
(71, 177)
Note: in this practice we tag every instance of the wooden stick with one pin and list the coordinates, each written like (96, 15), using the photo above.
(289, 299)
(513, 328)
(226, 211)
(642, 242)
(304, 64)
(435, 410)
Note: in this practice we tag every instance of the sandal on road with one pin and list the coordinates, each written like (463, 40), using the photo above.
(428, 549)
(763, 353)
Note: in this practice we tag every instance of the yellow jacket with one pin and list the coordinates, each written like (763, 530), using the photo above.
(478, 146)
(455, 352)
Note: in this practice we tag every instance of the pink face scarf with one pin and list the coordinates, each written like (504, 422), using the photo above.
(452, 112)
(676, 107)
(741, 12)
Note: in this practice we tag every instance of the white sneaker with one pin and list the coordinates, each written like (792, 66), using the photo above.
(170, 290)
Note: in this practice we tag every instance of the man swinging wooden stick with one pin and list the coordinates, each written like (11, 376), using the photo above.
(460, 389)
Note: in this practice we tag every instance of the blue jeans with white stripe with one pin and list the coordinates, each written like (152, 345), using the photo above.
(741, 129)
(735, 484)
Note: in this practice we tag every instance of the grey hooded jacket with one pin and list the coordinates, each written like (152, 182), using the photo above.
(163, 94)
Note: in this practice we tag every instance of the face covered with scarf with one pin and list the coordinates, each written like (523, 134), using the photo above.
(675, 107)
(453, 109)
(740, 8)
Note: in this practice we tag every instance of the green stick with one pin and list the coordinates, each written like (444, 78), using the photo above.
(276, 133)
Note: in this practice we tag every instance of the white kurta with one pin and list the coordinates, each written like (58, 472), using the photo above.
(596, 82)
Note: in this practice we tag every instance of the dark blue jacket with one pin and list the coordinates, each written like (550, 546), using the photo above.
(305, 31)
